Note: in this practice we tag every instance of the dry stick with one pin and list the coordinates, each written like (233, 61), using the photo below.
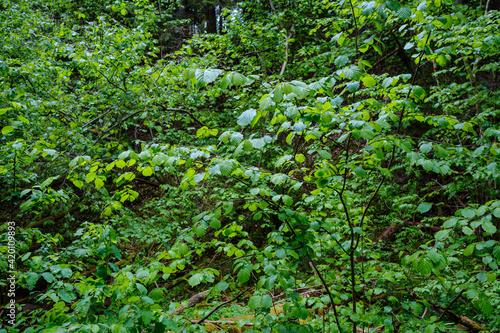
(272, 7)
(53, 217)
(220, 305)
(486, 9)
(449, 305)
(287, 38)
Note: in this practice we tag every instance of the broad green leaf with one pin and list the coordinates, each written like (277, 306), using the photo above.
(300, 158)
(254, 302)
(32, 278)
(206, 76)
(424, 207)
(369, 81)
(244, 274)
(246, 117)
(404, 12)
(352, 86)
(7, 129)
(469, 249)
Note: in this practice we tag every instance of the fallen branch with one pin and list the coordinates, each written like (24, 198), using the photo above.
(198, 298)
(220, 305)
(389, 233)
(118, 263)
(53, 217)
(462, 320)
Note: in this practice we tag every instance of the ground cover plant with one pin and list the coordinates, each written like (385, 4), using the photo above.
(258, 166)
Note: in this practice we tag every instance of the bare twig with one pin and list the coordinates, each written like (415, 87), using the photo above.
(220, 305)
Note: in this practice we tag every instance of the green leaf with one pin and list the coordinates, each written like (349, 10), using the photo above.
(341, 61)
(369, 81)
(287, 200)
(195, 279)
(469, 249)
(387, 82)
(226, 167)
(483, 304)
(404, 12)
(141, 288)
(419, 92)
(424, 266)
(238, 79)
(48, 277)
(244, 274)
(280, 253)
(206, 76)
(266, 102)
(352, 86)
(466, 230)
(393, 5)
(468, 213)
(221, 286)
(359, 171)
(300, 158)
(254, 302)
(32, 278)
(246, 117)
(442, 234)
(7, 129)
(440, 151)
(424, 207)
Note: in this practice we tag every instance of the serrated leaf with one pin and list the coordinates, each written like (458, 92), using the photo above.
(424, 266)
(468, 213)
(254, 302)
(341, 61)
(244, 274)
(226, 167)
(266, 102)
(246, 117)
(404, 12)
(206, 76)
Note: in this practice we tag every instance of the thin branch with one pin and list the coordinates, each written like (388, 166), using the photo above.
(287, 39)
(220, 305)
(449, 305)
(394, 147)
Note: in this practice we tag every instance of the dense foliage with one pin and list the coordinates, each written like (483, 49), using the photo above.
(258, 165)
